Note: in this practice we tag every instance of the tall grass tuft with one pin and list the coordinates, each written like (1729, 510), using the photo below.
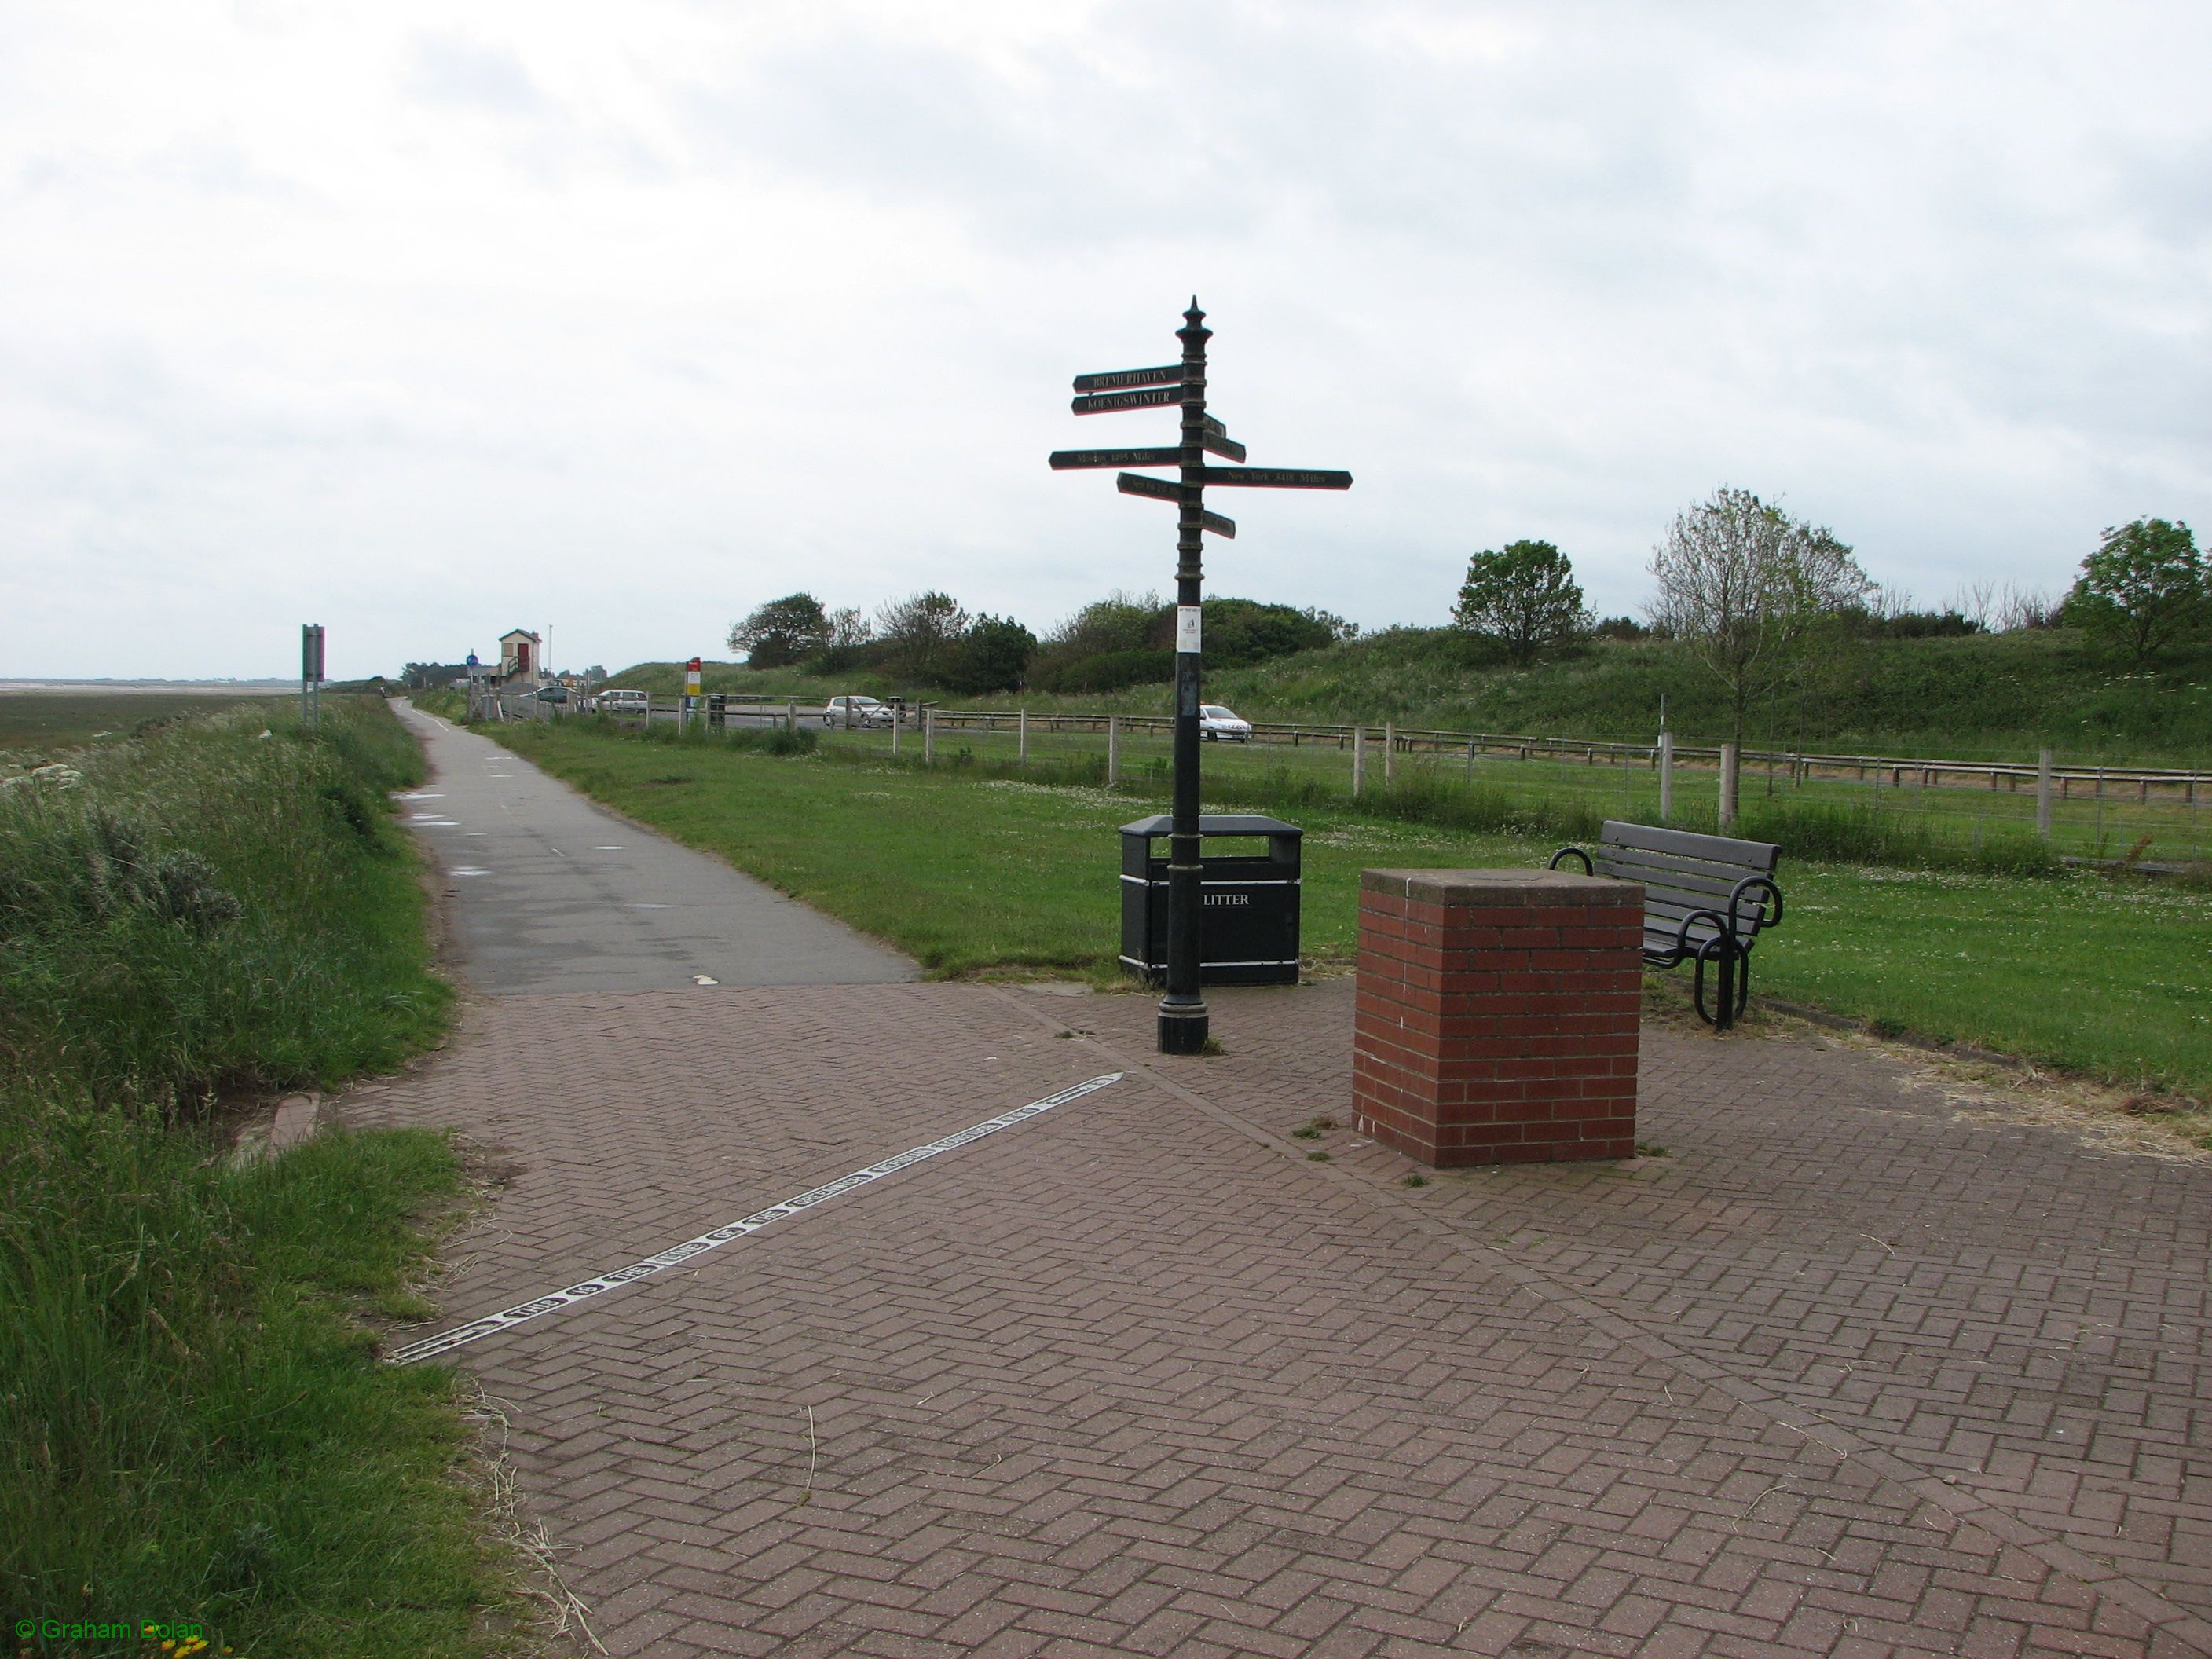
(221, 904)
(1847, 835)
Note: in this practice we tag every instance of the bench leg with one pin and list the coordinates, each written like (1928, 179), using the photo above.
(1733, 988)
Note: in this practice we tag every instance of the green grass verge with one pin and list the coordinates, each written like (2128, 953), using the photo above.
(195, 1428)
(193, 1424)
(970, 872)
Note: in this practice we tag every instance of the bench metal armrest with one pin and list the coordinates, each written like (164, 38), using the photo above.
(1588, 869)
(1722, 928)
(1765, 891)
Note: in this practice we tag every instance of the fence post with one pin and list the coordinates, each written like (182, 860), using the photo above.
(791, 717)
(1666, 777)
(1113, 749)
(1358, 760)
(928, 734)
(2043, 794)
(1022, 735)
(1728, 758)
(898, 716)
(1389, 752)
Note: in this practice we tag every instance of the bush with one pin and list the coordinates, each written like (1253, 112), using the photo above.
(1110, 671)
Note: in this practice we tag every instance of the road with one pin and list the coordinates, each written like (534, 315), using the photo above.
(548, 892)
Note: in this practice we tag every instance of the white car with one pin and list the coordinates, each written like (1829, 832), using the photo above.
(621, 703)
(849, 712)
(1218, 725)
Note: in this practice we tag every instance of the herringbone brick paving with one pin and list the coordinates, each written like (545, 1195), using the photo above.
(1136, 1377)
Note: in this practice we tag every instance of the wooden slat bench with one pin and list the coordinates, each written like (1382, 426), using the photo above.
(1706, 898)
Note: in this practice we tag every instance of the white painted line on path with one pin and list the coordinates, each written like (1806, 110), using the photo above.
(600, 1284)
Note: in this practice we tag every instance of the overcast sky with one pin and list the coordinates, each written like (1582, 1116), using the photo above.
(424, 321)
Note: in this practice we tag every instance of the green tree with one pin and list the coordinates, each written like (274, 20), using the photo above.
(1120, 622)
(1524, 598)
(920, 631)
(782, 631)
(1241, 632)
(1747, 588)
(993, 655)
(847, 642)
(2143, 588)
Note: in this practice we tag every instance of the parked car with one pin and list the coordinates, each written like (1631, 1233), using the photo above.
(1218, 725)
(849, 712)
(618, 701)
(551, 694)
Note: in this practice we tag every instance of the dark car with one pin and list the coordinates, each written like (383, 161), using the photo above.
(551, 694)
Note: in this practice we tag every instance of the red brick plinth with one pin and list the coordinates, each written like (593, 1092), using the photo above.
(1495, 1014)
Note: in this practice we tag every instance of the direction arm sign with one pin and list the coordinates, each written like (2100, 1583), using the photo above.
(1164, 489)
(1160, 489)
(1275, 478)
(1063, 460)
(1121, 379)
(1220, 443)
(1105, 402)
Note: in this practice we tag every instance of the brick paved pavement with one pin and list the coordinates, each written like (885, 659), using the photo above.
(1845, 1374)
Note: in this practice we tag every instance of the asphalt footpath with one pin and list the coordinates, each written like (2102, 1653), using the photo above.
(549, 892)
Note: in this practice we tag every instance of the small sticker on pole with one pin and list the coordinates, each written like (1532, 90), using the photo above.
(1187, 628)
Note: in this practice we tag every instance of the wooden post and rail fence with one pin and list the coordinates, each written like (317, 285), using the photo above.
(2050, 781)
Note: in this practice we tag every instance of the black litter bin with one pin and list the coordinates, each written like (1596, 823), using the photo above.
(1249, 915)
(716, 709)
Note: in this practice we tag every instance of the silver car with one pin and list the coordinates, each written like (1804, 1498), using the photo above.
(1218, 724)
(849, 712)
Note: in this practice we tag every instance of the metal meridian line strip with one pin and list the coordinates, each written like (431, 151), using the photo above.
(600, 1284)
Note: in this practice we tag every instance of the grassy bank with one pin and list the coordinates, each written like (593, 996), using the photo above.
(970, 867)
(210, 909)
(194, 1426)
(1978, 697)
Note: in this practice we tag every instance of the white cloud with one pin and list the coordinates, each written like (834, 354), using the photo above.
(624, 319)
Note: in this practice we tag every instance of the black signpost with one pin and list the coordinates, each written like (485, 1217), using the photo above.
(1183, 1020)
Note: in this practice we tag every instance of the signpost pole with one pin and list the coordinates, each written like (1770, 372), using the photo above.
(1184, 1021)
